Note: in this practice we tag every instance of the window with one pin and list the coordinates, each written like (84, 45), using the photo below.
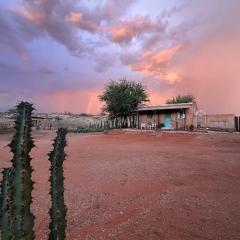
(150, 115)
(181, 115)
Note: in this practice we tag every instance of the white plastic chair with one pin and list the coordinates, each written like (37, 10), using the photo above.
(154, 125)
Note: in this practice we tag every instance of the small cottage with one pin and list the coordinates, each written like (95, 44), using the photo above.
(179, 116)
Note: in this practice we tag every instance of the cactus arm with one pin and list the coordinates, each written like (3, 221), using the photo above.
(21, 146)
(6, 215)
(58, 209)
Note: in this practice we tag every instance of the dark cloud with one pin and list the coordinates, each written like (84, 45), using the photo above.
(46, 70)
(59, 20)
(9, 36)
(46, 18)
(104, 61)
(104, 34)
(15, 69)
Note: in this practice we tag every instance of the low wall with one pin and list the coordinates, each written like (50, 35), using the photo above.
(220, 121)
(6, 123)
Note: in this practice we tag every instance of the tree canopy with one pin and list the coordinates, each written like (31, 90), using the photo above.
(181, 99)
(122, 98)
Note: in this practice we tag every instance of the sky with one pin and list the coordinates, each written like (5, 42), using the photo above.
(59, 54)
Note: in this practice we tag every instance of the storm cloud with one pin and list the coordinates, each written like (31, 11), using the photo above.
(69, 49)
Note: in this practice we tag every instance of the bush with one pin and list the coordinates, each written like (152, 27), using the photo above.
(86, 130)
(161, 125)
(191, 127)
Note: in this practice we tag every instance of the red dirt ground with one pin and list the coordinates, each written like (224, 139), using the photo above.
(142, 186)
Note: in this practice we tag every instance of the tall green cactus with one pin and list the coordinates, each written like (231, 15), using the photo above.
(58, 209)
(21, 145)
(6, 214)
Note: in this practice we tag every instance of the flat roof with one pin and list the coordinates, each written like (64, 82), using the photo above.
(164, 107)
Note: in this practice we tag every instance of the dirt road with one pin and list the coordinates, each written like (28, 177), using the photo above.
(142, 186)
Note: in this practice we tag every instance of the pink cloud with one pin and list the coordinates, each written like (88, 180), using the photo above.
(79, 20)
(75, 101)
(207, 66)
(30, 14)
(74, 17)
(157, 64)
(130, 28)
(210, 71)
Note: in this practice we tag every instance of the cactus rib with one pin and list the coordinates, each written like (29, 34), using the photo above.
(21, 145)
(58, 209)
(6, 215)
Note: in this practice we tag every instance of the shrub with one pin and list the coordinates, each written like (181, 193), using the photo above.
(191, 127)
(161, 125)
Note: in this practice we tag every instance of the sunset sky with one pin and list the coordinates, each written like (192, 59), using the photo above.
(59, 54)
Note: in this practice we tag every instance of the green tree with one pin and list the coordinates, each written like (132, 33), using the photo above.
(122, 98)
(181, 99)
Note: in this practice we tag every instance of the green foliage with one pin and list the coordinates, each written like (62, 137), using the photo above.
(22, 186)
(181, 99)
(191, 127)
(95, 127)
(161, 125)
(85, 115)
(12, 111)
(87, 130)
(122, 98)
(58, 209)
(6, 214)
(90, 129)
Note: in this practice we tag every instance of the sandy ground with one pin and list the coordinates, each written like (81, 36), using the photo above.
(142, 186)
